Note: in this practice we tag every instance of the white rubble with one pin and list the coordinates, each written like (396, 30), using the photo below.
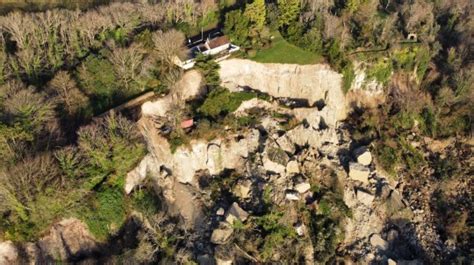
(359, 172)
(391, 262)
(300, 229)
(292, 196)
(271, 166)
(8, 253)
(302, 187)
(222, 234)
(236, 213)
(242, 189)
(292, 168)
(220, 261)
(365, 198)
(285, 144)
(378, 242)
(363, 155)
(138, 174)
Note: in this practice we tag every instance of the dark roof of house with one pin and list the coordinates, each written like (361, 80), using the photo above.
(201, 38)
(219, 41)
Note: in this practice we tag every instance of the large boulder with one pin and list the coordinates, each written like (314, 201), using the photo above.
(302, 136)
(222, 234)
(67, 239)
(359, 172)
(8, 253)
(292, 168)
(187, 161)
(302, 187)
(285, 144)
(214, 156)
(242, 189)
(363, 155)
(378, 242)
(138, 174)
(365, 197)
(236, 213)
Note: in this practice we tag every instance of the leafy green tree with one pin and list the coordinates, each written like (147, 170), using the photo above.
(236, 25)
(33, 194)
(209, 68)
(256, 13)
(111, 146)
(222, 101)
(98, 80)
(289, 11)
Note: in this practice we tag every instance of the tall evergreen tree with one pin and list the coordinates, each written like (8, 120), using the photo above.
(289, 11)
(256, 13)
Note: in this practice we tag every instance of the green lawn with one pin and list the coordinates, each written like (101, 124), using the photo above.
(283, 52)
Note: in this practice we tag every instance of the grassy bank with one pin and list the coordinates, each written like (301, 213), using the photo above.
(282, 51)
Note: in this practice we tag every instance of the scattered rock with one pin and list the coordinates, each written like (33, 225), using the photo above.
(221, 234)
(359, 172)
(292, 195)
(392, 235)
(285, 144)
(365, 198)
(363, 155)
(302, 136)
(271, 166)
(220, 211)
(302, 187)
(242, 189)
(236, 213)
(378, 242)
(300, 229)
(8, 253)
(276, 154)
(220, 261)
(391, 262)
(292, 168)
(68, 238)
(395, 200)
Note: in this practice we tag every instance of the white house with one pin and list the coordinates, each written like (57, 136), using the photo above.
(214, 44)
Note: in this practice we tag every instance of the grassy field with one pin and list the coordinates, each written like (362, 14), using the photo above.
(283, 52)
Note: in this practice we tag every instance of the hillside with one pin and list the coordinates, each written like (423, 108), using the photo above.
(260, 132)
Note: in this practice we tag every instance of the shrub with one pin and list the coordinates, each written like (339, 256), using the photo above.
(380, 71)
(209, 68)
(111, 146)
(387, 156)
(348, 76)
(106, 213)
(146, 201)
(97, 79)
(276, 234)
(222, 101)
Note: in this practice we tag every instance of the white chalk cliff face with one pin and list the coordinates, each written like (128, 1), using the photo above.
(311, 82)
(316, 84)
(308, 82)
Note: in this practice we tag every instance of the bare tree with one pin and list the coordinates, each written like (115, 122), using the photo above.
(168, 45)
(65, 89)
(129, 64)
(32, 110)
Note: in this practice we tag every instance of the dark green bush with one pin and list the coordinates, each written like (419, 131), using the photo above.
(106, 213)
(222, 101)
(97, 79)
